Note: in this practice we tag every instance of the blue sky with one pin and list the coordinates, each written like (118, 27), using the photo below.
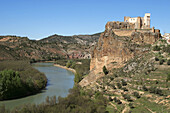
(37, 19)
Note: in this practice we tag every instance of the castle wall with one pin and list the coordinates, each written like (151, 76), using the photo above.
(128, 32)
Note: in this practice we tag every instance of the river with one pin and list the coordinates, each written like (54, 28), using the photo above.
(59, 82)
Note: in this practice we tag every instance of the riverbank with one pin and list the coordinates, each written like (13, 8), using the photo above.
(64, 67)
(58, 79)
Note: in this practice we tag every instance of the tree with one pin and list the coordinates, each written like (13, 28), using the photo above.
(9, 80)
(168, 62)
(105, 71)
(168, 77)
(156, 59)
(119, 85)
(145, 88)
(156, 48)
(124, 82)
(136, 94)
(77, 78)
(69, 63)
(161, 62)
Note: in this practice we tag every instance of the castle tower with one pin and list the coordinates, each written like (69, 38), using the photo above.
(147, 20)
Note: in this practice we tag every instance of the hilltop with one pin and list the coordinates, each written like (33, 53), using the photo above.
(50, 48)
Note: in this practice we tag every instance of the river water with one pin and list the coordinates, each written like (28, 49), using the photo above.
(59, 83)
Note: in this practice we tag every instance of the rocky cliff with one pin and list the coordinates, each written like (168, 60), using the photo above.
(114, 51)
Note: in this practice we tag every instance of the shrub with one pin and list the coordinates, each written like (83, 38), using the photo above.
(168, 62)
(119, 85)
(156, 59)
(127, 97)
(125, 89)
(168, 77)
(10, 80)
(124, 82)
(152, 89)
(117, 100)
(159, 92)
(161, 62)
(113, 86)
(69, 63)
(77, 78)
(136, 94)
(105, 71)
(110, 99)
(156, 48)
(131, 105)
(145, 88)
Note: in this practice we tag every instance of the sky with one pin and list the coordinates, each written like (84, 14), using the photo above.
(37, 19)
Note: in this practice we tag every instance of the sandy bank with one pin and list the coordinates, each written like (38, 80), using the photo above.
(64, 67)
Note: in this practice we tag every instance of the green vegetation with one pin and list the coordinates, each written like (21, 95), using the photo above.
(156, 48)
(9, 80)
(78, 101)
(136, 94)
(105, 71)
(82, 67)
(161, 61)
(168, 62)
(19, 75)
(168, 77)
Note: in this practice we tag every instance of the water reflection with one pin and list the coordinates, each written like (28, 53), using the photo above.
(59, 83)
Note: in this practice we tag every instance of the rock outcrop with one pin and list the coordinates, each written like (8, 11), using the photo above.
(146, 37)
(114, 51)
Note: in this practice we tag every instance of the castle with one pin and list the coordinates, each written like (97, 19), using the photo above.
(140, 22)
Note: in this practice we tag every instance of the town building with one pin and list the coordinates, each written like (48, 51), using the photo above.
(140, 22)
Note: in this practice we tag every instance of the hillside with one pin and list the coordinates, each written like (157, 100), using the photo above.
(137, 77)
(50, 48)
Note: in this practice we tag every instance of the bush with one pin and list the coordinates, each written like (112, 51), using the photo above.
(117, 101)
(159, 92)
(105, 71)
(77, 78)
(69, 63)
(156, 48)
(156, 59)
(113, 86)
(161, 62)
(145, 88)
(110, 99)
(127, 97)
(136, 94)
(119, 85)
(124, 82)
(9, 81)
(152, 89)
(125, 89)
(168, 77)
(131, 105)
(168, 62)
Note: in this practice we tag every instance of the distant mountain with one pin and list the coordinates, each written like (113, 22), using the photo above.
(50, 48)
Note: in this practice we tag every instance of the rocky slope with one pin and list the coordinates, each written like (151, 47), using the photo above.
(114, 51)
(50, 48)
(139, 72)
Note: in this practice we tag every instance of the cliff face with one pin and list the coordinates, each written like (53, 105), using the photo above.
(111, 51)
(114, 51)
